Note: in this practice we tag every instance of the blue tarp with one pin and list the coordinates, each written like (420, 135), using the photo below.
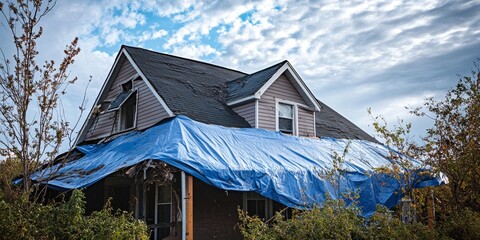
(294, 171)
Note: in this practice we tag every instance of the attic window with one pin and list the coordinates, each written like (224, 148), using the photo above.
(128, 112)
(286, 118)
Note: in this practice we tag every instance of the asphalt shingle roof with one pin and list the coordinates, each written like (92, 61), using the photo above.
(188, 87)
(200, 91)
(330, 123)
(250, 84)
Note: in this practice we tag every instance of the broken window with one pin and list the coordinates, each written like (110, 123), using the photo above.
(126, 106)
(286, 116)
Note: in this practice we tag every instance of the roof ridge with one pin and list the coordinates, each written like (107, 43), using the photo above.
(183, 58)
(261, 70)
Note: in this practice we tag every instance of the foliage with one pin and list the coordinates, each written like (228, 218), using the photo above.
(453, 143)
(66, 220)
(10, 168)
(464, 224)
(32, 122)
(334, 220)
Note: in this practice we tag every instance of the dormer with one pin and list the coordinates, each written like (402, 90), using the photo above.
(275, 98)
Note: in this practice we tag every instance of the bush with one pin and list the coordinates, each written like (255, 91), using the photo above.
(464, 224)
(26, 220)
(334, 220)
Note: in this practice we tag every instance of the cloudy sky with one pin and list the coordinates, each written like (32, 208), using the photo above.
(352, 54)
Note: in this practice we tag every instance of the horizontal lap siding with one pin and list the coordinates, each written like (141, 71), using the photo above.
(102, 126)
(283, 89)
(149, 109)
(306, 123)
(125, 74)
(247, 111)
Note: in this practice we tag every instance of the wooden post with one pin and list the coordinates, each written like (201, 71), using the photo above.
(189, 207)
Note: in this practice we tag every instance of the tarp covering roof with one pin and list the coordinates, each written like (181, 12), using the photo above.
(290, 170)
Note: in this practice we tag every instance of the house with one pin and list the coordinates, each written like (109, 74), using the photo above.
(153, 143)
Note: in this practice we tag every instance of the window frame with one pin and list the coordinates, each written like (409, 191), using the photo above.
(157, 204)
(119, 121)
(120, 118)
(268, 203)
(295, 115)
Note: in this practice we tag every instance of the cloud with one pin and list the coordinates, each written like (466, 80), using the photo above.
(195, 51)
(352, 54)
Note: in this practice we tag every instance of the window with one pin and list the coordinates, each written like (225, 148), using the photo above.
(256, 205)
(128, 113)
(126, 106)
(286, 116)
(163, 211)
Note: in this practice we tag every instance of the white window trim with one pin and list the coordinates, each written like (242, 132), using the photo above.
(295, 114)
(256, 113)
(119, 118)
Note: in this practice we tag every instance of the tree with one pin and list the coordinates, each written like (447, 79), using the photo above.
(32, 122)
(451, 146)
(453, 143)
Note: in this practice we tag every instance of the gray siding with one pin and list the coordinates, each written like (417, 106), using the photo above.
(306, 123)
(283, 89)
(149, 109)
(247, 111)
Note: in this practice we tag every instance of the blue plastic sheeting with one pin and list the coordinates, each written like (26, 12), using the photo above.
(291, 170)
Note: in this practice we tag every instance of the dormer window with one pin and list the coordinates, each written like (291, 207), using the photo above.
(286, 118)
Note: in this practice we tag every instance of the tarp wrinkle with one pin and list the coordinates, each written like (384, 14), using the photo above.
(290, 170)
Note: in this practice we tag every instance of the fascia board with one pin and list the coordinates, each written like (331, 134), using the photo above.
(304, 88)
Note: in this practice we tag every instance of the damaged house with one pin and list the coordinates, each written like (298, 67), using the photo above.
(182, 144)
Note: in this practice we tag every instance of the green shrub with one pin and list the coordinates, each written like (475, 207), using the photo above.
(464, 224)
(334, 220)
(26, 220)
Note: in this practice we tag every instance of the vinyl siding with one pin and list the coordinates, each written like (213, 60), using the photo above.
(306, 123)
(247, 111)
(149, 109)
(283, 89)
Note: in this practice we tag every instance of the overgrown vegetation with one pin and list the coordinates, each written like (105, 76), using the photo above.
(334, 220)
(32, 129)
(451, 147)
(66, 220)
